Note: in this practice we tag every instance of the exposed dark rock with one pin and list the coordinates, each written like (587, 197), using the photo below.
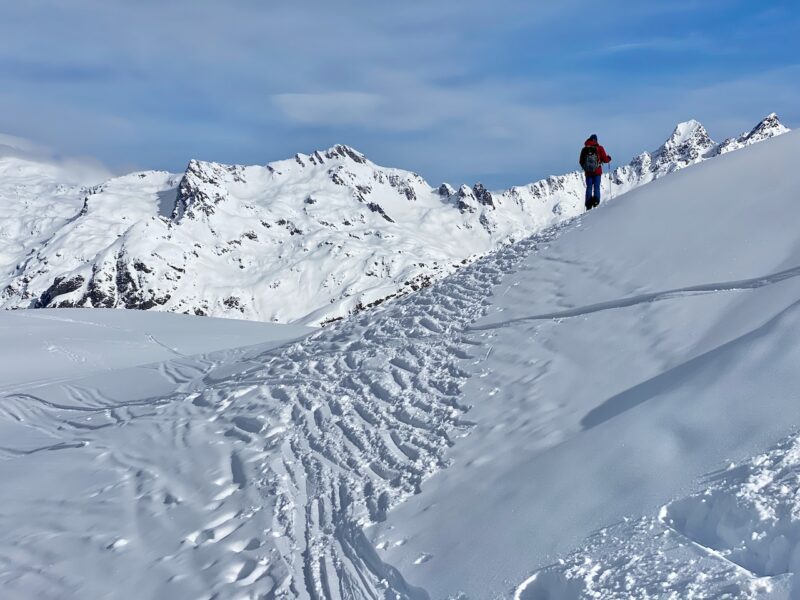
(487, 224)
(402, 186)
(377, 208)
(342, 151)
(141, 267)
(101, 291)
(60, 286)
(465, 199)
(446, 190)
(483, 195)
(233, 302)
(194, 197)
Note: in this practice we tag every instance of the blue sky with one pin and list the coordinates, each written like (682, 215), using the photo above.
(502, 91)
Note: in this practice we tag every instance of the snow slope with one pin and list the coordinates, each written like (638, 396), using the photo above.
(622, 366)
(311, 239)
(598, 377)
(43, 346)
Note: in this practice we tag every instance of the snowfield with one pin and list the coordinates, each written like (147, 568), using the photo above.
(74, 343)
(606, 409)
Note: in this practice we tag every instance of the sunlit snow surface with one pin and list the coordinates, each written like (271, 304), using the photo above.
(573, 416)
(623, 366)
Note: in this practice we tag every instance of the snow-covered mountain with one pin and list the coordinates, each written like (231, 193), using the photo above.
(549, 421)
(310, 239)
(769, 127)
(39, 196)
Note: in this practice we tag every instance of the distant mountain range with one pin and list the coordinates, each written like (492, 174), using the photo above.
(311, 239)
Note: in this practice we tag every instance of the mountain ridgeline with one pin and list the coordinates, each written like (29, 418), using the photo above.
(311, 239)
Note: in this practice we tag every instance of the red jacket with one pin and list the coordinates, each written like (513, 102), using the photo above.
(601, 154)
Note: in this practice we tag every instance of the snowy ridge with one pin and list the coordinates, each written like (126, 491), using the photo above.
(311, 239)
(610, 383)
(769, 127)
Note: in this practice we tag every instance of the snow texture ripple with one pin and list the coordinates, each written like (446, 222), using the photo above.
(282, 456)
(737, 538)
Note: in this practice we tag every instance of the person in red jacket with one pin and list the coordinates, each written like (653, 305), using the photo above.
(593, 157)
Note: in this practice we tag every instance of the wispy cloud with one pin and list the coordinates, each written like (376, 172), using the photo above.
(66, 169)
(500, 91)
(691, 43)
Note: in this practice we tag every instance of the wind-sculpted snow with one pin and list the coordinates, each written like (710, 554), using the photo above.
(312, 239)
(737, 538)
(248, 474)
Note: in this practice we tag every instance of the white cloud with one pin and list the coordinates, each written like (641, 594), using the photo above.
(450, 89)
(70, 170)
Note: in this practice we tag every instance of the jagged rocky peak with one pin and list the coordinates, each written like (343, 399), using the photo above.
(640, 164)
(464, 199)
(338, 153)
(465, 192)
(342, 151)
(467, 199)
(483, 195)
(688, 144)
(202, 188)
(446, 190)
(769, 127)
(690, 133)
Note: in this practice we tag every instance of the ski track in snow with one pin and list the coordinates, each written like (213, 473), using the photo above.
(151, 338)
(284, 456)
(706, 288)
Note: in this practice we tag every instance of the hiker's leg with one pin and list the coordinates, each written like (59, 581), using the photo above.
(597, 180)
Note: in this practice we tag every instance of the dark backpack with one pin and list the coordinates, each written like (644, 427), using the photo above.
(591, 160)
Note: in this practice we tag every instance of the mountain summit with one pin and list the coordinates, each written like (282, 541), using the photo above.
(769, 127)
